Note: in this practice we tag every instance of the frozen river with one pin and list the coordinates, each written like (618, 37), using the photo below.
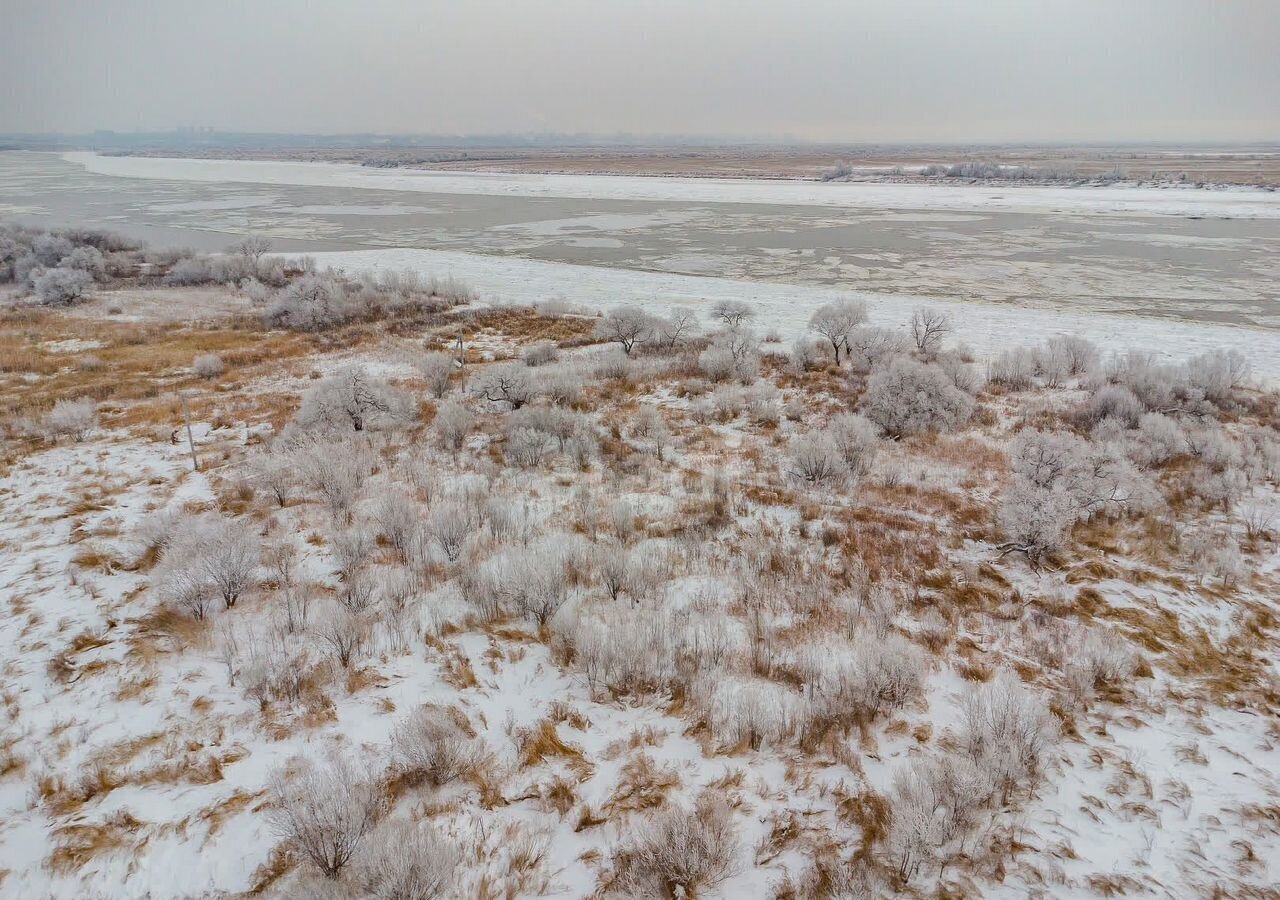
(1176, 254)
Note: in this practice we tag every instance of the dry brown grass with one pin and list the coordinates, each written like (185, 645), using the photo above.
(642, 784)
(77, 845)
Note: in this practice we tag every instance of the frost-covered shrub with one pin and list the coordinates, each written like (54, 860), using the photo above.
(1034, 520)
(1079, 354)
(762, 400)
(807, 354)
(536, 579)
(527, 447)
(452, 424)
(208, 365)
(1114, 401)
(452, 525)
(207, 557)
(344, 629)
(734, 353)
(71, 418)
(1214, 376)
(858, 441)
(677, 853)
(1008, 732)
(324, 809)
(61, 286)
(935, 803)
(613, 364)
(408, 861)
(311, 303)
(353, 400)
(434, 745)
(907, 396)
(1098, 659)
(752, 713)
(397, 516)
(873, 675)
(336, 471)
(540, 353)
(1158, 440)
(435, 369)
(816, 459)
(561, 386)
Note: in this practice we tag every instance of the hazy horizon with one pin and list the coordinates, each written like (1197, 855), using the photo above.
(912, 71)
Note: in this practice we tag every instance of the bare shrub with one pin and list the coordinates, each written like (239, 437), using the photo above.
(325, 810)
(436, 370)
(752, 713)
(431, 745)
(71, 418)
(343, 630)
(527, 447)
(208, 365)
(678, 853)
(540, 353)
(336, 471)
(929, 328)
(1008, 732)
(408, 861)
(815, 458)
(935, 803)
(858, 441)
(907, 396)
(452, 524)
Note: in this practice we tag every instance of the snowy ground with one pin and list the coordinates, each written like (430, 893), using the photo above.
(987, 329)
(1166, 201)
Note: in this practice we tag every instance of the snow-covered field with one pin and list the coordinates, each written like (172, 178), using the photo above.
(1163, 201)
(986, 328)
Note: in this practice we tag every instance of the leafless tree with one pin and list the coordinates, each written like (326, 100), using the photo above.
(252, 248)
(929, 327)
(676, 329)
(352, 399)
(835, 322)
(626, 326)
(504, 383)
(343, 630)
(733, 314)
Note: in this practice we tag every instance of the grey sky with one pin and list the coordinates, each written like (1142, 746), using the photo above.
(859, 70)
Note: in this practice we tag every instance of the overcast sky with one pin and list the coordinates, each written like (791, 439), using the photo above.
(857, 70)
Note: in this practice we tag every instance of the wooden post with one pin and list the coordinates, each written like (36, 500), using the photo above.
(191, 441)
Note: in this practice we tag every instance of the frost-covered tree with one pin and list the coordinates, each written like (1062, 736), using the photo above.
(324, 810)
(61, 286)
(251, 248)
(867, 346)
(627, 326)
(906, 396)
(353, 400)
(676, 330)
(505, 383)
(835, 322)
(733, 314)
